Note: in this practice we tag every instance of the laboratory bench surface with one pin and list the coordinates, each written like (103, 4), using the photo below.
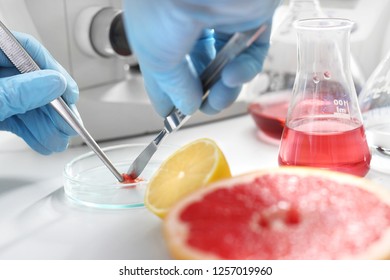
(38, 221)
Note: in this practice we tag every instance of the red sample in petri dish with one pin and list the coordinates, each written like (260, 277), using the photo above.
(128, 179)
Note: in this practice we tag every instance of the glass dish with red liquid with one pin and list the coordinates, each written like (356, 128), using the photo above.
(269, 112)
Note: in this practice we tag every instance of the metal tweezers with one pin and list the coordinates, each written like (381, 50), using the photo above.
(24, 63)
(175, 119)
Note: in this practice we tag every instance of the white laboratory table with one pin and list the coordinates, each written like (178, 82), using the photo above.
(37, 220)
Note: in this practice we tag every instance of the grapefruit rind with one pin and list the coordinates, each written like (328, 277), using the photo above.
(176, 232)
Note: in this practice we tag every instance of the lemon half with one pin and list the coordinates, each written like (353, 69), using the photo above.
(189, 168)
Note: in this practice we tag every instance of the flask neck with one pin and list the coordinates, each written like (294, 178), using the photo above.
(298, 9)
(306, 6)
(324, 50)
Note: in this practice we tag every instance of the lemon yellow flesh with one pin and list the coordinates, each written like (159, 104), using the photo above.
(191, 167)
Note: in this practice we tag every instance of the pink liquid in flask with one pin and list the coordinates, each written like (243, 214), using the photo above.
(329, 144)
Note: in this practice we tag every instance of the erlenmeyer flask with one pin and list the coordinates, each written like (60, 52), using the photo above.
(270, 92)
(374, 101)
(324, 126)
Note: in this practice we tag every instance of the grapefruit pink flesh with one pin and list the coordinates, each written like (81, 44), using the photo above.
(284, 216)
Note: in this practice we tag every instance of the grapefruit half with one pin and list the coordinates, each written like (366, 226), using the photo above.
(282, 213)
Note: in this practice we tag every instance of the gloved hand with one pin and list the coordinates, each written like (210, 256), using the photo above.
(162, 33)
(23, 99)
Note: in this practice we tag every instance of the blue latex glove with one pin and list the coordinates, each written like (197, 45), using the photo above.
(162, 33)
(23, 99)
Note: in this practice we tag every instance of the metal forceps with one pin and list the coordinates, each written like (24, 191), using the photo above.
(175, 119)
(24, 63)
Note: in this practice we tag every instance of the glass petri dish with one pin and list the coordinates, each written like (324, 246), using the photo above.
(87, 180)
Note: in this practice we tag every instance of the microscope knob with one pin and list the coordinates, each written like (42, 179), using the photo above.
(100, 32)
